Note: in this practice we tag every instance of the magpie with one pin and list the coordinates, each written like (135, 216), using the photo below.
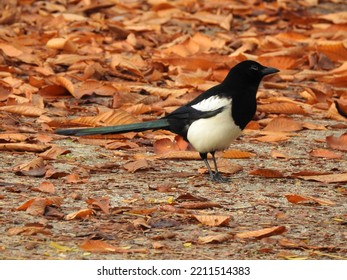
(212, 120)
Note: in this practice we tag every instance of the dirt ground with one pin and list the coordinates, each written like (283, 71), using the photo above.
(312, 231)
(153, 211)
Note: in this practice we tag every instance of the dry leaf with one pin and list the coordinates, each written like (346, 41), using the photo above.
(213, 220)
(266, 232)
(219, 238)
(237, 154)
(327, 178)
(99, 246)
(338, 143)
(323, 153)
(267, 173)
(283, 124)
(134, 166)
(102, 203)
(295, 198)
(81, 214)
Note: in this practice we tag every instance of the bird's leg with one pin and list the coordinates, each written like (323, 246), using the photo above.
(204, 157)
(214, 175)
(217, 176)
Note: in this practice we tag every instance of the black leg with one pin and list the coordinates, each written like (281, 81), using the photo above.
(204, 157)
(217, 176)
(214, 175)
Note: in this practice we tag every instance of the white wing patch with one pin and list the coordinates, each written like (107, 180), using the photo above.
(212, 103)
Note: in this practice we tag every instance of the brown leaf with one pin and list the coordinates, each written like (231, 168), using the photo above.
(235, 154)
(323, 153)
(34, 168)
(327, 178)
(99, 246)
(134, 166)
(283, 124)
(46, 187)
(266, 232)
(281, 108)
(338, 143)
(81, 214)
(213, 220)
(295, 198)
(219, 238)
(267, 173)
(111, 117)
(164, 145)
(198, 205)
(24, 147)
(28, 231)
(54, 152)
(25, 110)
(271, 138)
(102, 203)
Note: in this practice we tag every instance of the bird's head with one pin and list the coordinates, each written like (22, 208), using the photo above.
(248, 73)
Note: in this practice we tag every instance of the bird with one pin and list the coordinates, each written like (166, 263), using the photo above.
(211, 121)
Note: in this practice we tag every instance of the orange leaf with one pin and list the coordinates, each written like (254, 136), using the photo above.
(136, 165)
(99, 246)
(25, 110)
(283, 124)
(81, 214)
(295, 198)
(327, 178)
(54, 152)
(215, 238)
(323, 153)
(23, 147)
(45, 186)
(272, 138)
(237, 154)
(281, 108)
(266, 232)
(164, 145)
(338, 143)
(111, 117)
(268, 173)
(103, 203)
(335, 50)
(213, 220)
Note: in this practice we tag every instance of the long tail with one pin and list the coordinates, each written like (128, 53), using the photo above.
(135, 127)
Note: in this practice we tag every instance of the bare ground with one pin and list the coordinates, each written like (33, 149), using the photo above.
(313, 231)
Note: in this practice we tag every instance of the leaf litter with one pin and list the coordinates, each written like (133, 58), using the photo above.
(145, 195)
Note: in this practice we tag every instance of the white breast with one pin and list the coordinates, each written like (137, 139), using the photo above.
(215, 133)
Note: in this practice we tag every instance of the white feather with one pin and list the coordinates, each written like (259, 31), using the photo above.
(215, 133)
(212, 103)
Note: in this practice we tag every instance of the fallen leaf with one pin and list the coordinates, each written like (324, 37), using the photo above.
(102, 203)
(81, 214)
(213, 220)
(326, 178)
(283, 124)
(295, 198)
(235, 154)
(324, 153)
(46, 187)
(219, 238)
(337, 143)
(266, 232)
(134, 166)
(267, 173)
(99, 246)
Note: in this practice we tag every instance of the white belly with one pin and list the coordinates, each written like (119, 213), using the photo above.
(212, 134)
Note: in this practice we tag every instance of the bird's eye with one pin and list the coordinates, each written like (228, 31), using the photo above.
(254, 67)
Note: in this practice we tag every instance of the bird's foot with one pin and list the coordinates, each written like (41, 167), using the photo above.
(216, 177)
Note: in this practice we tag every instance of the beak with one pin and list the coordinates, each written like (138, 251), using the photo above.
(269, 70)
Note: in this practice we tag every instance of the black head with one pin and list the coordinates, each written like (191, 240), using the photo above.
(248, 73)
